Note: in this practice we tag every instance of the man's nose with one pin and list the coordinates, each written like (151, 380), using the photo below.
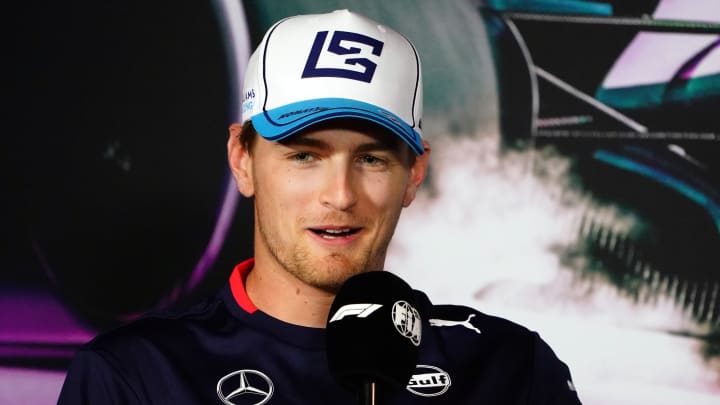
(339, 191)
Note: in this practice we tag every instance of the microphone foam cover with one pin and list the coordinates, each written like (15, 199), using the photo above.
(373, 331)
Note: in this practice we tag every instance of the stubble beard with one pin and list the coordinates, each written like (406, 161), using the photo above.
(326, 273)
(329, 272)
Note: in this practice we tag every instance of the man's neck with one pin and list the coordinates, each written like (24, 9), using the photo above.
(281, 295)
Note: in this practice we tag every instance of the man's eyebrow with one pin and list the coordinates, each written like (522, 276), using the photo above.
(304, 141)
(377, 146)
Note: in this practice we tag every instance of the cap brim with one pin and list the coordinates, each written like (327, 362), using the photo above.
(281, 122)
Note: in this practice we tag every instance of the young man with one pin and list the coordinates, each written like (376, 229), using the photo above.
(330, 150)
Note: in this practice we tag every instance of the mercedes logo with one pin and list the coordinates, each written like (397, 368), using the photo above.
(247, 387)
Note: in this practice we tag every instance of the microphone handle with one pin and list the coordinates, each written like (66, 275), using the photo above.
(367, 393)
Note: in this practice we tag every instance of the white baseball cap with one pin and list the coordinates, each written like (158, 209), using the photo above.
(316, 67)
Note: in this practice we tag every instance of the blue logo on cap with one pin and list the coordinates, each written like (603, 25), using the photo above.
(335, 46)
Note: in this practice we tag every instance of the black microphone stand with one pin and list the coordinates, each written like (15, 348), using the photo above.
(367, 393)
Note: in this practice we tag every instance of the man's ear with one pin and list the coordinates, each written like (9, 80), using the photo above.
(418, 171)
(240, 162)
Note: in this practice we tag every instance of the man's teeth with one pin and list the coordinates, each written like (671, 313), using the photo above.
(337, 231)
(334, 233)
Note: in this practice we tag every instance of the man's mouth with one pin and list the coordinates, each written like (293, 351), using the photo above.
(335, 233)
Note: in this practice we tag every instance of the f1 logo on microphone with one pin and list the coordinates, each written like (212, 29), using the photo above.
(358, 310)
(363, 73)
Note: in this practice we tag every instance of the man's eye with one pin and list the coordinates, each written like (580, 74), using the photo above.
(302, 157)
(370, 159)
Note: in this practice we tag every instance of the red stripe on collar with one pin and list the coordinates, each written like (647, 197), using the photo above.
(237, 285)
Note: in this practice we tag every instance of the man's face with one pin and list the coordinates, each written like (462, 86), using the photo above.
(327, 200)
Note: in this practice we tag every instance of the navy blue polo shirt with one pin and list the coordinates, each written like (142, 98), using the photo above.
(226, 351)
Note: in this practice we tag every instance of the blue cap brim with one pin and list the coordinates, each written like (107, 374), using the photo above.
(282, 122)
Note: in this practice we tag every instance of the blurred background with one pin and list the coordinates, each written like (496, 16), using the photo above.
(574, 185)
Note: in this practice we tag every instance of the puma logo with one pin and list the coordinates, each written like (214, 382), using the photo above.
(466, 323)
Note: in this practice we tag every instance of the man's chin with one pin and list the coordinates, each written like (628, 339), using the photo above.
(332, 271)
